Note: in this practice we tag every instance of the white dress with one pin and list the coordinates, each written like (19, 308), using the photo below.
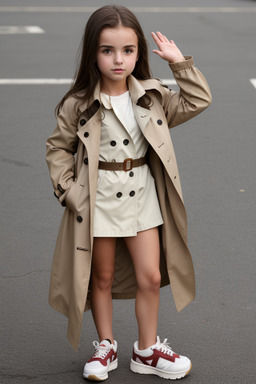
(126, 202)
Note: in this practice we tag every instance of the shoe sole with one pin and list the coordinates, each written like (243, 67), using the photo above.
(147, 370)
(102, 377)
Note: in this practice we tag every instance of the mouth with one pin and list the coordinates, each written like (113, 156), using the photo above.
(118, 70)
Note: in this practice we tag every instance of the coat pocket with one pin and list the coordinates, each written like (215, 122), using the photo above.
(77, 197)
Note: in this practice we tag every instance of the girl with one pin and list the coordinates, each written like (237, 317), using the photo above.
(123, 233)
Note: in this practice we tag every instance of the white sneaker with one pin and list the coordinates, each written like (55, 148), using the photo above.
(102, 361)
(160, 360)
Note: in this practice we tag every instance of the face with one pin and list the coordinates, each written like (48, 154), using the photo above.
(116, 57)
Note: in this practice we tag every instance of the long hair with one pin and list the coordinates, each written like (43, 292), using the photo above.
(87, 74)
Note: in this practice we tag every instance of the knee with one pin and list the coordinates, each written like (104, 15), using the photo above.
(103, 281)
(150, 282)
(155, 280)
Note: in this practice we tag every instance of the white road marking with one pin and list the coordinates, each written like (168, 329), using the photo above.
(13, 30)
(168, 81)
(69, 81)
(34, 81)
(56, 81)
(253, 81)
(135, 9)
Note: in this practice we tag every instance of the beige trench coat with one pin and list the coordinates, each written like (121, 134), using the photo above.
(72, 157)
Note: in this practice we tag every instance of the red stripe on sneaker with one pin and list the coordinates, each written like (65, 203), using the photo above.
(153, 359)
(111, 355)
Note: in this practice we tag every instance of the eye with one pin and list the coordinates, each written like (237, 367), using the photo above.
(107, 51)
(128, 50)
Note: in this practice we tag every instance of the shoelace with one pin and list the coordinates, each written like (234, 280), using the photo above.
(164, 347)
(100, 350)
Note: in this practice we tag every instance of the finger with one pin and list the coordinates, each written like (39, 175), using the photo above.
(163, 38)
(160, 36)
(159, 53)
(156, 39)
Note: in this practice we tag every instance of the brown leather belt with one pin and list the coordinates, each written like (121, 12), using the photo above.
(126, 165)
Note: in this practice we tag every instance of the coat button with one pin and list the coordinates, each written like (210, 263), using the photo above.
(86, 161)
(86, 134)
(126, 142)
(79, 219)
(82, 122)
(113, 143)
(119, 194)
(131, 174)
(132, 193)
(159, 122)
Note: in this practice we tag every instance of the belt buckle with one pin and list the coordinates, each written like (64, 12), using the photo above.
(128, 164)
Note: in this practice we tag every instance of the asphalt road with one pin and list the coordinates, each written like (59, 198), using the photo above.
(216, 157)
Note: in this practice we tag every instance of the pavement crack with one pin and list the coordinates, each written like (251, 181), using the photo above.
(19, 163)
(23, 276)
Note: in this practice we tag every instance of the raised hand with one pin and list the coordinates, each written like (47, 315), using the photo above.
(167, 49)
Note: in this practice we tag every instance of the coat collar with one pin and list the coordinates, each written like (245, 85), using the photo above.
(136, 87)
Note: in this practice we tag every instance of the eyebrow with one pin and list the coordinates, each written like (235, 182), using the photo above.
(111, 46)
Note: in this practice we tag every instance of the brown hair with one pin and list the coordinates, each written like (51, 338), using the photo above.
(87, 77)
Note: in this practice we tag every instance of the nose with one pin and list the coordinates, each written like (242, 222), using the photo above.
(118, 58)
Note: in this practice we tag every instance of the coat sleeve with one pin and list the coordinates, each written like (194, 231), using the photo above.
(194, 95)
(61, 147)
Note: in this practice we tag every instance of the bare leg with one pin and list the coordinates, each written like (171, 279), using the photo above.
(145, 253)
(103, 262)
